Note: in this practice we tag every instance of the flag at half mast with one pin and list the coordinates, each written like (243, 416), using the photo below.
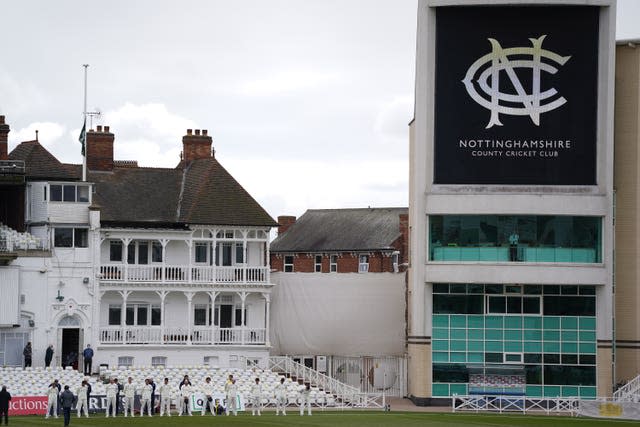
(83, 136)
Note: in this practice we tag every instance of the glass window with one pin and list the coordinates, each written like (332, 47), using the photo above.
(318, 263)
(143, 312)
(69, 193)
(333, 263)
(201, 252)
(363, 263)
(156, 252)
(569, 306)
(288, 263)
(131, 253)
(156, 315)
(115, 250)
(158, 361)
(130, 315)
(454, 373)
(143, 252)
(238, 316)
(239, 253)
(497, 304)
(81, 237)
(458, 304)
(63, 237)
(200, 315)
(82, 193)
(573, 375)
(125, 361)
(114, 314)
(55, 191)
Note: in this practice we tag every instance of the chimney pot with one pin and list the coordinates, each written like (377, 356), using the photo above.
(1, 120)
(204, 132)
(197, 132)
(99, 128)
(189, 131)
(106, 129)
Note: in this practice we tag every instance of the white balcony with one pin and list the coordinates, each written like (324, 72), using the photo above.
(175, 274)
(199, 335)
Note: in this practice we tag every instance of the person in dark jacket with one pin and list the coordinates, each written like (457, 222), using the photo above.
(5, 397)
(48, 356)
(120, 387)
(153, 395)
(67, 400)
(27, 353)
(87, 354)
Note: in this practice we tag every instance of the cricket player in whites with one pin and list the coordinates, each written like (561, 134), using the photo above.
(281, 397)
(231, 389)
(111, 390)
(207, 390)
(165, 397)
(145, 397)
(129, 396)
(185, 398)
(82, 399)
(305, 399)
(256, 397)
(52, 393)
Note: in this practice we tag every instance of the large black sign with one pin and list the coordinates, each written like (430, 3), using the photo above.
(516, 95)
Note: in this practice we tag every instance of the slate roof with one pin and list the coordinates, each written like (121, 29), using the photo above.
(203, 193)
(325, 230)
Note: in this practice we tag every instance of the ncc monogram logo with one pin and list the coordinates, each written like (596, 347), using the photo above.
(500, 59)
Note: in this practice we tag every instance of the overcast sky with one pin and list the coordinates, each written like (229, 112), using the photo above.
(307, 101)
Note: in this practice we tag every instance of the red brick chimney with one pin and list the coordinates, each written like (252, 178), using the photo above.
(284, 222)
(196, 145)
(404, 230)
(100, 149)
(4, 136)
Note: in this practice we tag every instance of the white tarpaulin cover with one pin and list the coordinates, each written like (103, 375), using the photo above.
(348, 314)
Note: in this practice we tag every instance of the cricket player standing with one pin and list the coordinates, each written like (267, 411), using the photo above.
(111, 389)
(281, 397)
(165, 397)
(129, 397)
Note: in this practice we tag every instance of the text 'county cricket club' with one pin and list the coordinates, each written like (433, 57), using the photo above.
(507, 60)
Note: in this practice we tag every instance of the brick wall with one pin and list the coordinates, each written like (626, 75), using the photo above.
(99, 149)
(4, 136)
(348, 262)
(196, 146)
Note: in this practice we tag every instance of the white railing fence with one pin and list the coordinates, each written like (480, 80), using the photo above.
(628, 392)
(523, 404)
(183, 274)
(199, 335)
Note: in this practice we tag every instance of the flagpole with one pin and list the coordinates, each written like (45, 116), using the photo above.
(84, 157)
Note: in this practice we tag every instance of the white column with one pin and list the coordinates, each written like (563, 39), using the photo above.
(212, 296)
(267, 310)
(189, 296)
(125, 259)
(123, 314)
(96, 316)
(189, 244)
(267, 262)
(244, 256)
(162, 295)
(163, 273)
(243, 297)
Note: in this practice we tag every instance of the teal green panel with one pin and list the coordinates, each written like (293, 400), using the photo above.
(552, 391)
(513, 346)
(456, 345)
(458, 357)
(551, 335)
(440, 389)
(513, 322)
(563, 255)
(570, 391)
(551, 347)
(587, 347)
(532, 347)
(493, 322)
(440, 321)
(440, 345)
(493, 346)
(475, 334)
(476, 345)
(534, 390)
(569, 323)
(493, 334)
(513, 335)
(570, 335)
(532, 335)
(532, 322)
(587, 323)
(475, 357)
(569, 347)
(451, 254)
(459, 389)
(475, 322)
(458, 321)
(440, 333)
(587, 336)
(551, 322)
(440, 356)
(458, 334)
(545, 255)
(588, 392)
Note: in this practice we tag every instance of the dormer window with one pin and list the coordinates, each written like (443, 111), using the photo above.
(74, 193)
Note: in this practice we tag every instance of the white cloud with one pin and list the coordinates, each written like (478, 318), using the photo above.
(286, 82)
(18, 96)
(48, 133)
(392, 121)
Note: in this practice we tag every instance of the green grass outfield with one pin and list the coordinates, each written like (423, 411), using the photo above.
(319, 419)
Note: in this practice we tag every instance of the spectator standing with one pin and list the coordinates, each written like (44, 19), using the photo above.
(5, 397)
(27, 353)
(48, 356)
(88, 359)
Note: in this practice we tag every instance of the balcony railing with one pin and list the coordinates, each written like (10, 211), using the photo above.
(199, 335)
(170, 274)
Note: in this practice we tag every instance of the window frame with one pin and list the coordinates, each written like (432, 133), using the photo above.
(69, 193)
(288, 267)
(333, 266)
(317, 266)
(363, 266)
(74, 239)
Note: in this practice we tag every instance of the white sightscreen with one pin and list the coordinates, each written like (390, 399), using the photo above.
(347, 314)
